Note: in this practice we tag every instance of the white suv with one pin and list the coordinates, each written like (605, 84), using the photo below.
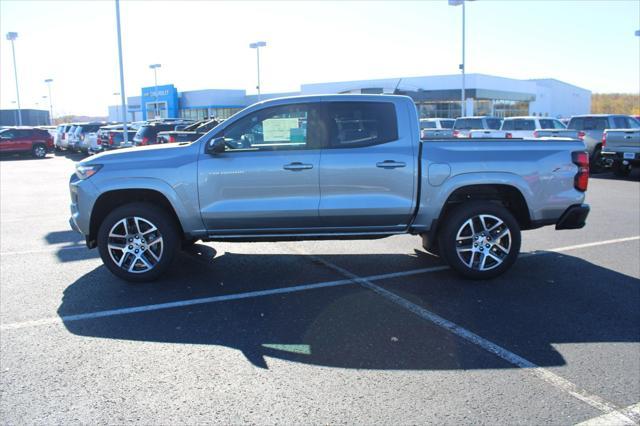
(523, 127)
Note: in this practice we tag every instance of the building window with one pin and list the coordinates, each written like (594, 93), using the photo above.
(440, 109)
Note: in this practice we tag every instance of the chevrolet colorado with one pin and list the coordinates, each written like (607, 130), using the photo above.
(327, 167)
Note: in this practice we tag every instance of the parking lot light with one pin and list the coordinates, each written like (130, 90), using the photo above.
(125, 135)
(11, 36)
(155, 67)
(257, 45)
(49, 81)
(463, 107)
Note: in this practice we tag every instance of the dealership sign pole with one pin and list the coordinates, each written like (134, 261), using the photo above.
(125, 136)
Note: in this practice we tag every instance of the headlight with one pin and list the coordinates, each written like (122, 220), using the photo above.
(86, 171)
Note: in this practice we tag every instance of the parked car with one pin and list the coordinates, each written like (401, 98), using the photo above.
(188, 133)
(524, 127)
(60, 135)
(26, 140)
(66, 139)
(593, 127)
(462, 125)
(148, 132)
(112, 137)
(85, 136)
(622, 148)
(258, 177)
(558, 133)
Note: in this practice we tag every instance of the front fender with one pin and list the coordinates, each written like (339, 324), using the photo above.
(183, 201)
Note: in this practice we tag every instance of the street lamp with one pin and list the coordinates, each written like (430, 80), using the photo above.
(11, 36)
(125, 136)
(461, 66)
(155, 67)
(257, 45)
(49, 81)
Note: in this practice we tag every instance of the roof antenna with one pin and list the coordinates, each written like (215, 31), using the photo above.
(395, 91)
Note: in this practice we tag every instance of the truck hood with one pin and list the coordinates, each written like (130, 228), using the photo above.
(152, 152)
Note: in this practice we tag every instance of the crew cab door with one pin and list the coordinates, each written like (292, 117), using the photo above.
(368, 169)
(266, 180)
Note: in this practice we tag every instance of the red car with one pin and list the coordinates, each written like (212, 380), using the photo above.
(26, 140)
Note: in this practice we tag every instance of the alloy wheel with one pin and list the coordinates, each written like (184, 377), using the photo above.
(135, 244)
(483, 242)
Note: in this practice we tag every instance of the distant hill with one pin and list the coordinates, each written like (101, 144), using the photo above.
(78, 119)
(615, 103)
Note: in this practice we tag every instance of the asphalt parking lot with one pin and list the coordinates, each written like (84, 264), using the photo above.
(371, 332)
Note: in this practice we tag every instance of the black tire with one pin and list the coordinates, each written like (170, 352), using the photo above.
(39, 151)
(457, 222)
(621, 170)
(166, 228)
(595, 162)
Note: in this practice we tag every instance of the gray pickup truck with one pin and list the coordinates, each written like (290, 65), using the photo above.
(327, 167)
(622, 148)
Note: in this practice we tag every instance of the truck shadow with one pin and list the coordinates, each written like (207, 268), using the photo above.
(347, 326)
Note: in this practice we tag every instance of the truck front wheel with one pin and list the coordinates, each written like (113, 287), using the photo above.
(480, 239)
(138, 241)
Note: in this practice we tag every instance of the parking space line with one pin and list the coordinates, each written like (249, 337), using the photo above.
(631, 417)
(558, 382)
(206, 300)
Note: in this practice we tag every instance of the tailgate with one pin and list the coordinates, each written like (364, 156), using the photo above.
(627, 140)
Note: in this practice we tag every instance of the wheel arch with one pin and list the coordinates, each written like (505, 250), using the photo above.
(109, 200)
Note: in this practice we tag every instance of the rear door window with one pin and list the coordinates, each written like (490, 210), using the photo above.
(620, 122)
(357, 124)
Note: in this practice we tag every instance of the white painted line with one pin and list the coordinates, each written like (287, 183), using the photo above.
(594, 244)
(213, 299)
(616, 418)
(513, 359)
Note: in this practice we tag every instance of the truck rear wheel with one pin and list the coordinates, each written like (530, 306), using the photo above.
(138, 241)
(480, 239)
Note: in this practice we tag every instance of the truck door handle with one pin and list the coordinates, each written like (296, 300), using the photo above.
(627, 137)
(297, 166)
(390, 164)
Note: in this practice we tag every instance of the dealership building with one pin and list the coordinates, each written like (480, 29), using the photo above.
(435, 96)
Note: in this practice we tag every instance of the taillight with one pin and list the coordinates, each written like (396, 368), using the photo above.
(604, 139)
(456, 133)
(172, 139)
(509, 135)
(64, 135)
(144, 141)
(110, 138)
(536, 134)
(581, 180)
(581, 135)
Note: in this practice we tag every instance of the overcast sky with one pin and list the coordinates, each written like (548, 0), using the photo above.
(203, 45)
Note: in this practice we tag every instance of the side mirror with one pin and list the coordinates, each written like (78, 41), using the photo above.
(216, 146)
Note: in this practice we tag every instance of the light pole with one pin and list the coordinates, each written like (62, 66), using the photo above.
(11, 36)
(125, 136)
(155, 67)
(257, 45)
(463, 105)
(49, 81)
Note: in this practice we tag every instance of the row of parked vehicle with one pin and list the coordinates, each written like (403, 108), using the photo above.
(599, 132)
(95, 137)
